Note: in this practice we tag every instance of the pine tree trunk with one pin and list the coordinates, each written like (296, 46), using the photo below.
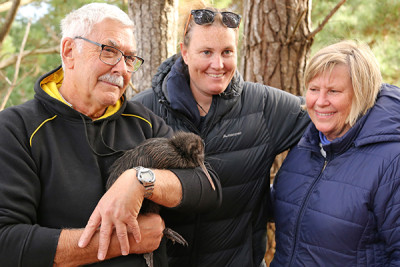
(274, 52)
(275, 42)
(155, 28)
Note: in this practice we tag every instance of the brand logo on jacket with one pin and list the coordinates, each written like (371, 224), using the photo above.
(232, 135)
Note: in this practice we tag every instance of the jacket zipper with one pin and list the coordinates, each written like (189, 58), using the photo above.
(207, 128)
(302, 210)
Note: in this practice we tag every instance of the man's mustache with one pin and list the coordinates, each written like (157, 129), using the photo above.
(114, 79)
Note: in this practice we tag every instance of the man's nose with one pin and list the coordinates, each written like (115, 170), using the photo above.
(121, 66)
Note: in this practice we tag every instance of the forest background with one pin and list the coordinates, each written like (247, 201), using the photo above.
(376, 22)
(276, 38)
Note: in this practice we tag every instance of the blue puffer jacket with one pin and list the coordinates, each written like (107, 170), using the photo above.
(343, 210)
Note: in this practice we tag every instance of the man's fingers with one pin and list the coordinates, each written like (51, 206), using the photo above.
(90, 229)
(104, 239)
(122, 235)
(133, 227)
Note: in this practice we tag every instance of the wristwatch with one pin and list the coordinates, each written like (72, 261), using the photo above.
(147, 178)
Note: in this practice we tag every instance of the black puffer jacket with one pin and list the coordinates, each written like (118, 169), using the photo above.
(246, 127)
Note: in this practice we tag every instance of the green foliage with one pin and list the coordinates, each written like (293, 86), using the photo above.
(231, 5)
(375, 22)
(7, 48)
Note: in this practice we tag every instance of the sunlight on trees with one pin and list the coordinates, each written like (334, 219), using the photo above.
(375, 22)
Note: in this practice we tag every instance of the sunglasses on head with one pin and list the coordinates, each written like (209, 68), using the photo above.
(205, 16)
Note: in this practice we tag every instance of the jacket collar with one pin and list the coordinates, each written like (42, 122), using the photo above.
(180, 95)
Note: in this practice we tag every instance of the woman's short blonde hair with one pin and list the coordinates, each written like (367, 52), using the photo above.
(363, 68)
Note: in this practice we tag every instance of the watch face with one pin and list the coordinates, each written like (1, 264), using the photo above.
(147, 176)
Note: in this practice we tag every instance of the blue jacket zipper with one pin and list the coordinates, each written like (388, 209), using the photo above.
(302, 210)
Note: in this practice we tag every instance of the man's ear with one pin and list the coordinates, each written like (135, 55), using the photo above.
(67, 48)
(183, 52)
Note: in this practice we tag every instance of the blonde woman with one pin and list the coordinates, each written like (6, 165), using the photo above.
(337, 197)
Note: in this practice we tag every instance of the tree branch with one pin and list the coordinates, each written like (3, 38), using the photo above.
(325, 21)
(7, 5)
(5, 78)
(12, 59)
(17, 65)
(289, 40)
(9, 20)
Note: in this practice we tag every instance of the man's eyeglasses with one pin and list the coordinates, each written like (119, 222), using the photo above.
(205, 16)
(111, 56)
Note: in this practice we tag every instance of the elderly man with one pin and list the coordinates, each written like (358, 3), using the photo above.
(56, 150)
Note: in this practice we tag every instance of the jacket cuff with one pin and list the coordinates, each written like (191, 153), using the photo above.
(197, 193)
(40, 248)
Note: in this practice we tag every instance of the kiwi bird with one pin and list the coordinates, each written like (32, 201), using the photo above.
(182, 150)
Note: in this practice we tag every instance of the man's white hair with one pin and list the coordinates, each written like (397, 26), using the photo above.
(80, 22)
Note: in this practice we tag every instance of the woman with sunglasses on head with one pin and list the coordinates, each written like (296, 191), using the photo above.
(244, 126)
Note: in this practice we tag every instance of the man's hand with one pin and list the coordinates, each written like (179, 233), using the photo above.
(119, 209)
(151, 229)
(69, 254)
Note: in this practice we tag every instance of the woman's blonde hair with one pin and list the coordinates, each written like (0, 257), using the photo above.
(363, 68)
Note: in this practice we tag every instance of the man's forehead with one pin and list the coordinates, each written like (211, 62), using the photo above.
(114, 33)
(114, 30)
(129, 48)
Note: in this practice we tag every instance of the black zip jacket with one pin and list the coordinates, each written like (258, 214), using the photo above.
(245, 128)
(54, 165)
